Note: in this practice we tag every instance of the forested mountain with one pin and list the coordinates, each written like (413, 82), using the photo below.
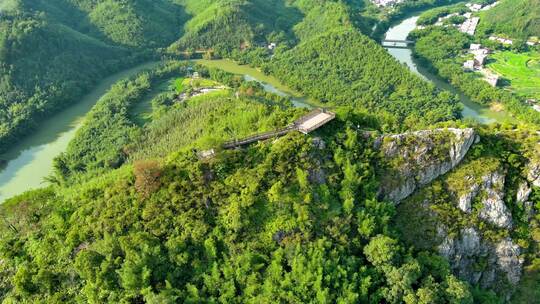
(137, 23)
(136, 215)
(514, 18)
(393, 201)
(291, 220)
(53, 51)
(87, 40)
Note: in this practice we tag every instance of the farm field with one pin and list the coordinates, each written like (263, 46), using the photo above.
(522, 71)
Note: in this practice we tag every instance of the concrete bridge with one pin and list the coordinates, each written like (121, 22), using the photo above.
(306, 124)
(397, 41)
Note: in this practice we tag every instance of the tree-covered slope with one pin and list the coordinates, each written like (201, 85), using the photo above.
(132, 23)
(286, 221)
(344, 67)
(514, 18)
(51, 52)
(226, 25)
(44, 66)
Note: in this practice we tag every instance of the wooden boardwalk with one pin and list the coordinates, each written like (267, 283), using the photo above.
(308, 123)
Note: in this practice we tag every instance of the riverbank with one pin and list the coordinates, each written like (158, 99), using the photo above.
(401, 31)
(270, 83)
(27, 163)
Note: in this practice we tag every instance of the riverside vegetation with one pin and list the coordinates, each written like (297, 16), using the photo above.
(134, 215)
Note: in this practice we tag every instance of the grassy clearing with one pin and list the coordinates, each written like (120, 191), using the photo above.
(141, 112)
(521, 70)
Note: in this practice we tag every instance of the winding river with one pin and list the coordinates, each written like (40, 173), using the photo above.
(405, 55)
(31, 160)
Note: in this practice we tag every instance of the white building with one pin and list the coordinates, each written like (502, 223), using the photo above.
(475, 46)
(474, 7)
(384, 3)
(501, 40)
(469, 65)
(480, 60)
(492, 79)
(469, 26)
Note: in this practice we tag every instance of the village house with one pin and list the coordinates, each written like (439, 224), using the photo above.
(492, 79)
(384, 3)
(501, 40)
(474, 7)
(480, 59)
(475, 46)
(531, 102)
(469, 65)
(469, 26)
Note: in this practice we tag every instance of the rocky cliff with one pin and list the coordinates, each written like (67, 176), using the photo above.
(480, 261)
(415, 159)
(461, 206)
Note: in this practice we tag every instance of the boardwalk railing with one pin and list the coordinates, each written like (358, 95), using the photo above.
(258, 137)
(296, 126)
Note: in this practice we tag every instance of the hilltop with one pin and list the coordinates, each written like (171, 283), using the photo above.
(135, 213)
(396, 200)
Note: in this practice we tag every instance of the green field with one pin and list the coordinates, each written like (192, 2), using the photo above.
(521, 70)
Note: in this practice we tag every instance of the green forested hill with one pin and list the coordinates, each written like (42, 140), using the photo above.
(363, 74)
(135, 23)
(245, 227)
(226, 25)
(288, 220)
(52, 51)
(135, 213)
(515, 18)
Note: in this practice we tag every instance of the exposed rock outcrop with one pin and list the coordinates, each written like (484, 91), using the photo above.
(417, 158)
(508, 260)
(481, 262)
(481, 183)
(494, 209)
(465, 200)
(523, 193)
(533, 173)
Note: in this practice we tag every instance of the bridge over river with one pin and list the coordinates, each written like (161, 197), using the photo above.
(397, 43)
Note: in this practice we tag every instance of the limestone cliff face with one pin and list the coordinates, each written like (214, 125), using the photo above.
(491, 189)
(417, 158)
(480, 261)
(533, 174)
(466, 214)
